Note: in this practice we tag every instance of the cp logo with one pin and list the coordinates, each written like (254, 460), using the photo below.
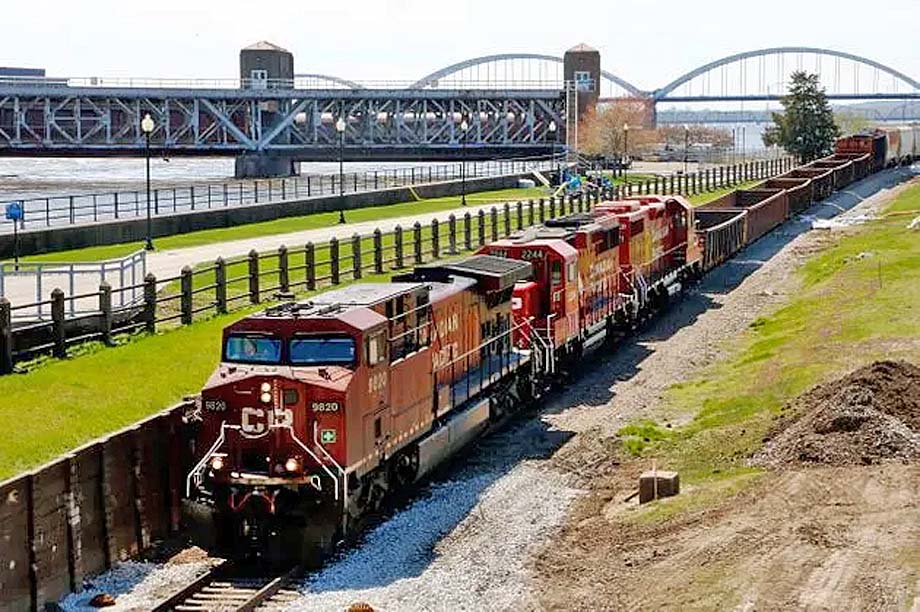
(253, 422)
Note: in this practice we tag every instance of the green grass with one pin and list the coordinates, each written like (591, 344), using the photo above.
(289, 224)
(851, 309)
(637, 436)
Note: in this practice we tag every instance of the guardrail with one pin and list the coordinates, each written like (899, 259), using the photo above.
(299, 82)
(34, 277)
(227, 285)
(76, 209)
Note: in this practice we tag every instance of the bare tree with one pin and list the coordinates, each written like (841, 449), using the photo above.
(602, 132)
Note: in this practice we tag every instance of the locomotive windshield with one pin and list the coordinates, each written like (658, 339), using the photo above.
(322, 350)
(252, 348)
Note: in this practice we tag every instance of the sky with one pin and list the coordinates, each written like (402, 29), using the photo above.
(648, 42)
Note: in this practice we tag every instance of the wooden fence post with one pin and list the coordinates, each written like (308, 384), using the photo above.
(481, 222)
(6, 337)
(378, 251)
(417, 243)
(452, 234)
(105, 307)
(150, 303)
(520, 214)
(542, 210)
(398, 247)
(334, 261)
(254, 296)
(530, 213)
(357, 262)
(57, 324)
(493, 223)
(284, 270)
(552, 207)
(435, 239)
(185, 282)
(467, 231)
(309, 258)
(220, 285)
(506, 218)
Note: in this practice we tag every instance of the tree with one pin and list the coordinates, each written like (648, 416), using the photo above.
(850, 122)
(601, 132)
(807, 127)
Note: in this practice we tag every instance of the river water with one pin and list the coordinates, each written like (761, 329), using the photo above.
(25, 178)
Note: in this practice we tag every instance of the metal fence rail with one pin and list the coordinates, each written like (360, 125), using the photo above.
(228, 285)
(34, 278)
(76, 209)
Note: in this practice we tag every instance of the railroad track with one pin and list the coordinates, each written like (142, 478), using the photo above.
(229, 588)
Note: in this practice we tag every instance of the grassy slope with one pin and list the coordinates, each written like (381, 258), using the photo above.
(849, 311)
(290, 224)
(70, 402)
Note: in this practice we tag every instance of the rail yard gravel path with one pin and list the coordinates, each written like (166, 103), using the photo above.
(468, 540)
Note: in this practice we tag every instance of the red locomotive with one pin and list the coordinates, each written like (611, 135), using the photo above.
(320, 409)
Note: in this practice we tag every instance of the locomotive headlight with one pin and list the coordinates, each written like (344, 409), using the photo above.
(266, 397)
(217, 463)
(265, 388)
(291, 465)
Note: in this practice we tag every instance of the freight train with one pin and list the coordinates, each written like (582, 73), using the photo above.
(321, 409)
(888, 147)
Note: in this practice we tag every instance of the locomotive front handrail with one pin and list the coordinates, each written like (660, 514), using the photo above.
(199, 467)
(316, 459)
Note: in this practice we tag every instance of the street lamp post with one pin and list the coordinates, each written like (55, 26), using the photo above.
(625, 161)
(686, 145)
(552, 131)
(743, 146)
(340, 128)
(464, 128)
(147, 127)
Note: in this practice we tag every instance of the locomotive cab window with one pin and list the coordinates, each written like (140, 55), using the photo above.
(252, 348)
(557, 272)
(376, 349)
(323, 350)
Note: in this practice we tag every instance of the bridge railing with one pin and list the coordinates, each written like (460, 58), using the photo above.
(297, 83)
(77, 209)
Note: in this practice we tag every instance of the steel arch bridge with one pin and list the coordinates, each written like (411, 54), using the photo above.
(540, 77)
(759, 74)
(762, 74)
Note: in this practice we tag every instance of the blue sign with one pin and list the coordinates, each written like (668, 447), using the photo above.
(14, 211)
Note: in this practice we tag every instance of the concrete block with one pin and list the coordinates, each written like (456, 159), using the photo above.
(658, 484)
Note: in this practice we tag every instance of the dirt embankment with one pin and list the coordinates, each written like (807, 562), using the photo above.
(870, 416)
(838, 528)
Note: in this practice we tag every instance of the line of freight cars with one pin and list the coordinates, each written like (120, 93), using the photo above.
(321, 409)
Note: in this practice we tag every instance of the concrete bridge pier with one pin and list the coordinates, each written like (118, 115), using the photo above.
(263, 165)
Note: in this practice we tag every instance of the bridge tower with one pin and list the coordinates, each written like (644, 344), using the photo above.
(264, 66)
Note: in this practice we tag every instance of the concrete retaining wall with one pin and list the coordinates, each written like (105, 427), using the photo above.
(53, 239)
(85, 511)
